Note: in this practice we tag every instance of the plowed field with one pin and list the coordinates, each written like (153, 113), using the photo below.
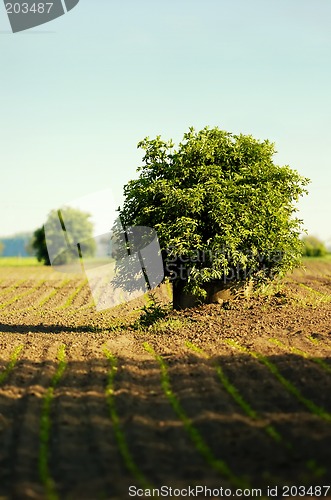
(234, 397)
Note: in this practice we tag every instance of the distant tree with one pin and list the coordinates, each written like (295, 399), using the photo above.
(2, 246)
(313, 247)
(38, 245)
(78, 229)
(222, 209)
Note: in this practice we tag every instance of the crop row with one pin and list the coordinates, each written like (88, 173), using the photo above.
(198, 440)
(8, 289)
(14, 297)
(40, 300)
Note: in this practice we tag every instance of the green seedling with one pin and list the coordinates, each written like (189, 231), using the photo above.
(12, 362)
(313, 340)
(303, 354)
(168, 324)
(71, 297)
(219, 465)
(45, 428)
(151, 314)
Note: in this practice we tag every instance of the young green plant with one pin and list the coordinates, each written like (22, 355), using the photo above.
(45, 428)
(72, 296)
(325, 367)
(12, 363)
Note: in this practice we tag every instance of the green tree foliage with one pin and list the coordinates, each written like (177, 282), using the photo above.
(2, 246)
(38, 246)
(221, 207)
(313, 247)
(78, 229)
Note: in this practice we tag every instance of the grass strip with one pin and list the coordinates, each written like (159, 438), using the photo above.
(19, 262)
(291, 388)
(71, 297)
(235, 394)
(45, 428)
(303, 354)
(12, 362)
(119, 434)
(219, 465)
(21, 295)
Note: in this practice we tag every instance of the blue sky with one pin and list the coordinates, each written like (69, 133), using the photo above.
(77, 94)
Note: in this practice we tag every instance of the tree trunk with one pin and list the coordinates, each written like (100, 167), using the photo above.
(218, 292)
(181, 299)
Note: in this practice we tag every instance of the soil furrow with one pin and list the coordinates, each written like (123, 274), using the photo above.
(151, 426)
(21, 402)
(182, 421)
(70, 436)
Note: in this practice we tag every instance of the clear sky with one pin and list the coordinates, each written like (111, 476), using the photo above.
(77, 94)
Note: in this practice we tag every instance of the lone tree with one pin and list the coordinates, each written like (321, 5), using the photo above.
(222, 209)
(78, 228)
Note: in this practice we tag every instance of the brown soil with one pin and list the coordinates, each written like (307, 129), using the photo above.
(198, 434)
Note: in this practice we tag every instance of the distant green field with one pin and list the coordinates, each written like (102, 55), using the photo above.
(19, 261)
(326, 258)
(32, 261)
